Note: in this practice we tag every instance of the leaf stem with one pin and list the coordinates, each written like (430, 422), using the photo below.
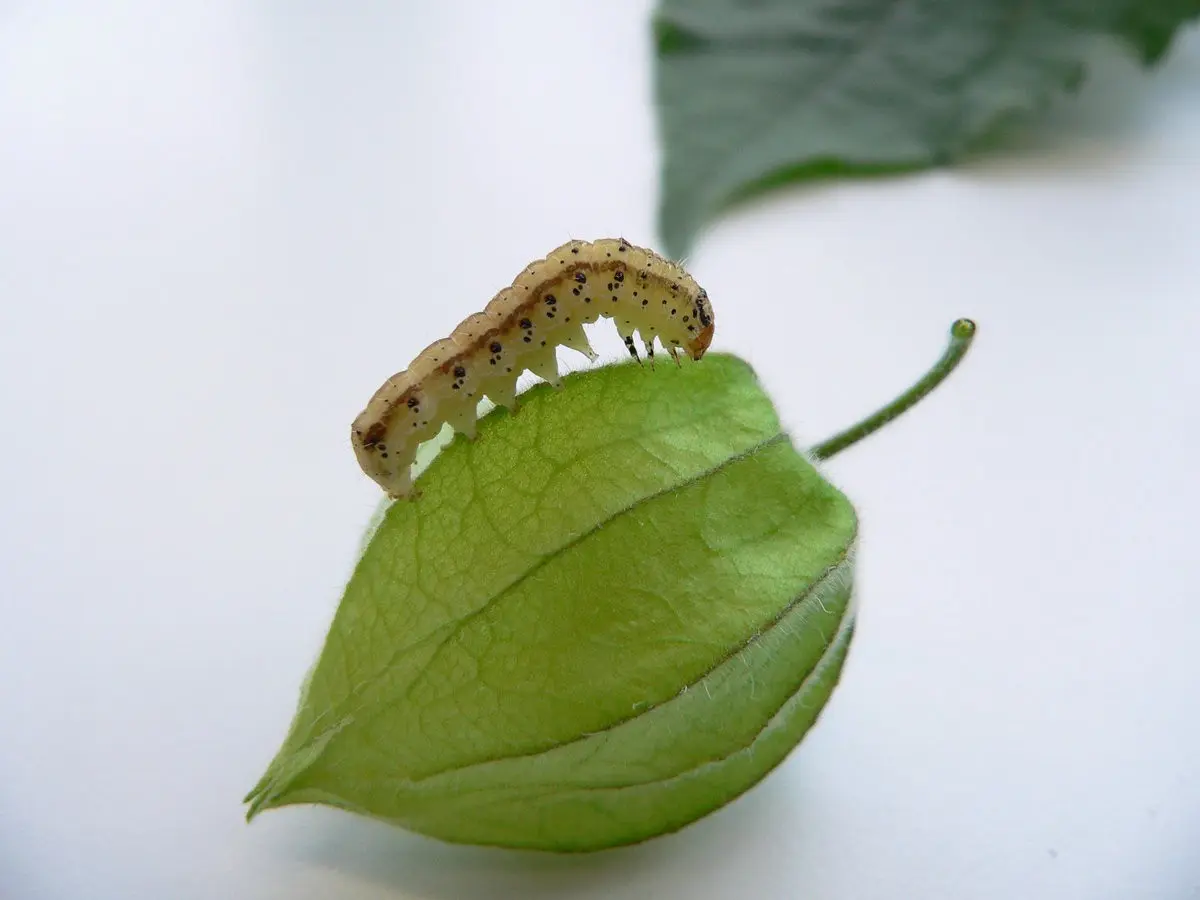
(962, 333)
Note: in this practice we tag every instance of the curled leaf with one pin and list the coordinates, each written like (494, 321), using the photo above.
(612, 613)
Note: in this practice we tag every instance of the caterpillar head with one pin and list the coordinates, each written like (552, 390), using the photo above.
(697, 346)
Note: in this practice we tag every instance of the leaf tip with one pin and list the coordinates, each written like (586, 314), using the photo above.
(256, 800)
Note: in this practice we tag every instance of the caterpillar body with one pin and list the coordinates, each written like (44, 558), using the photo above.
(547, 305)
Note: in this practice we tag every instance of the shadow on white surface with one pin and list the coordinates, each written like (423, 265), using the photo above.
(739, 836)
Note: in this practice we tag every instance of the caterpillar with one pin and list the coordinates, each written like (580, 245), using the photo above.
(547, 305)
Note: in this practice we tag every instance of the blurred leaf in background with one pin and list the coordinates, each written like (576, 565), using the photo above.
(754, 93)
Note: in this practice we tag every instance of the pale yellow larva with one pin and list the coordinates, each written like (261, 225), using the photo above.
(547, 305)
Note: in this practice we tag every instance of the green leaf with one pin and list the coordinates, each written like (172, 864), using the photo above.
(753, 94)
(612, 613)
(1149, 27)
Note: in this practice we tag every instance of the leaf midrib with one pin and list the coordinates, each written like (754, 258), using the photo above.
(545, 559)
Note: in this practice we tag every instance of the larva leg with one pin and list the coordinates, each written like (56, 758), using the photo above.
(401, 488)
(674, 351)
(544, 364)
(572, 336)
(648, 342)
(502, 392)
(463, 421)
(631, 348)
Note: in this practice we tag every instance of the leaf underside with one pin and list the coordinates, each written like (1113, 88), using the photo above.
(612, 613)
(751, 94)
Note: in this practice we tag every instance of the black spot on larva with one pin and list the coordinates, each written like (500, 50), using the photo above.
(549, 315)
(527, 339)
(384, 455)
(618, 275)
(614, 298)
(412, 401)
(624, 246)
(495, 347)
(610, 285)
(575, 291)
(672, 312)
(635, 293)
(492, 361)
(685, 318)
(574, 249)
(460, 372)
(645, 303)
(550, 301)
(455, 385)
(543, 343)
(581, 278)
(587, 299)
(567, 319)
(674, 286)
(383, 446)
(691, 328)
(525, 323)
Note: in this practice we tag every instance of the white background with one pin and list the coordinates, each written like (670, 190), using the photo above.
(223, 225)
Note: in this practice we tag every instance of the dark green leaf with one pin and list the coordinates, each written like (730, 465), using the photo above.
(753, 93)
(1150, 26)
